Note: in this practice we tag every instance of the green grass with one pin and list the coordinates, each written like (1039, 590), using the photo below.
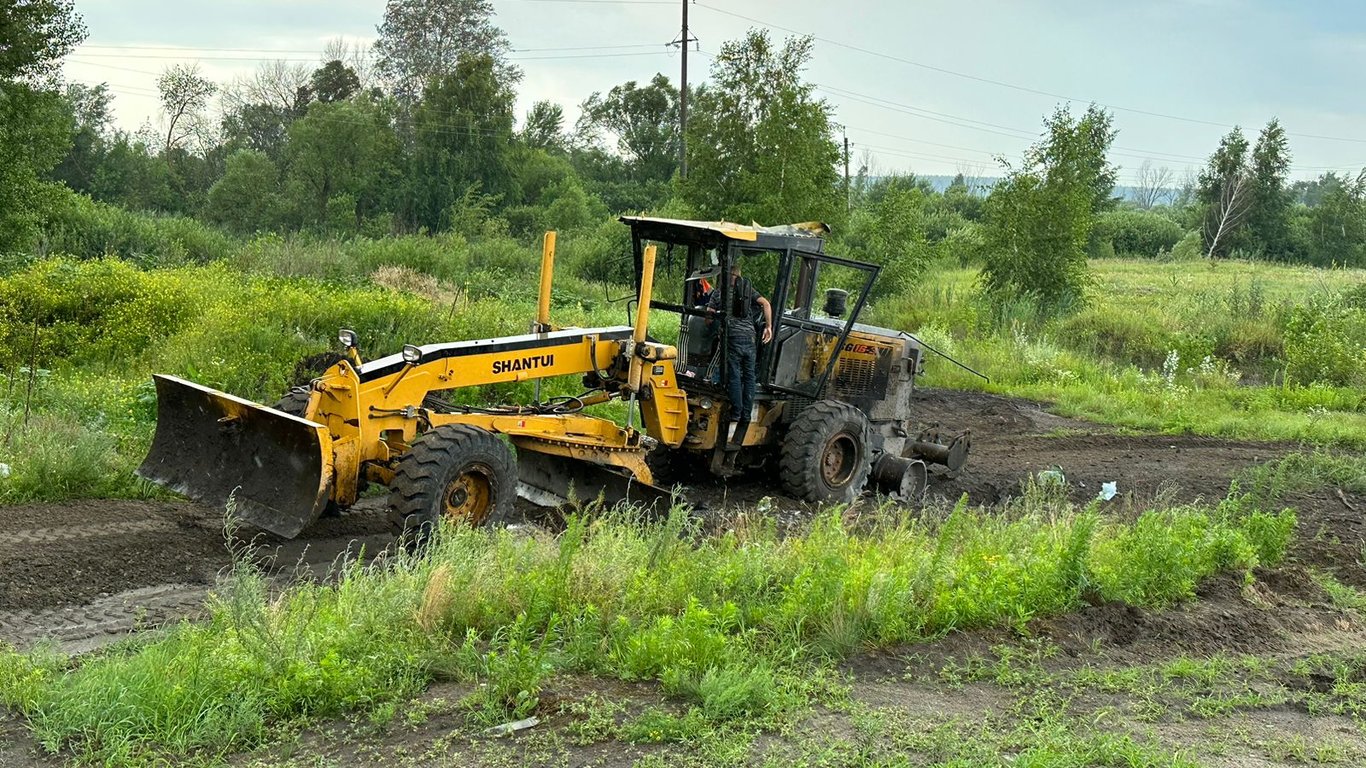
(1170, 347)
(732, 626)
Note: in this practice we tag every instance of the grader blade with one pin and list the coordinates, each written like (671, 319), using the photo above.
(552, 481)
(210, 445)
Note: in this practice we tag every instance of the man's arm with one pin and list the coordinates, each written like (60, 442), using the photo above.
(768, 318)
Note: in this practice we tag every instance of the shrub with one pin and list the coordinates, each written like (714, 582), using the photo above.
(601, 254)
(1191, 247)
(86, 229)
(1034, 242)
(1325, 340)
(56, 457)
(103, 309)
(1126, 337)
(1131, 232)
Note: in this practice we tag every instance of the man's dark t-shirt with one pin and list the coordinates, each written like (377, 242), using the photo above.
(744, 302)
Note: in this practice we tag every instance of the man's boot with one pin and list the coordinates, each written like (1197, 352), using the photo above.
(737, 434)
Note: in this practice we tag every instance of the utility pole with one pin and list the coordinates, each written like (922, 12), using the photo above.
(683, 100)
(848, 204)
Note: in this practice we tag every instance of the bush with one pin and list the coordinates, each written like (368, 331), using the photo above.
(445, 257)
(891, 231)
(1126, 337)
(601, 254)
(86, 229)
(1035, 236)
(1135, 233)
(1191, 247)
(104, 309)
(1325, 340)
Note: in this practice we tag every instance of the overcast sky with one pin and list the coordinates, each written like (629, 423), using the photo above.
(1177, 73)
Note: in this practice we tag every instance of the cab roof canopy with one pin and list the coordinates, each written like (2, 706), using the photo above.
(807, 236)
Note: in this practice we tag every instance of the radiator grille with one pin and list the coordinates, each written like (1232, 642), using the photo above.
(854, 378)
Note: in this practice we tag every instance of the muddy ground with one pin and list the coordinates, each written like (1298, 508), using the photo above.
(85, 573)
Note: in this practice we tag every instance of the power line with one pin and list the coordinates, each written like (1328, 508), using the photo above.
(1001, 83)
(175, 49)
(964, 122)
(194, 57)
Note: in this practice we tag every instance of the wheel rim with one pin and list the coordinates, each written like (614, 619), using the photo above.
(839, 459)
(469, 496)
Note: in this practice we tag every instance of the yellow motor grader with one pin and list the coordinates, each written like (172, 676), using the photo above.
(831, 413)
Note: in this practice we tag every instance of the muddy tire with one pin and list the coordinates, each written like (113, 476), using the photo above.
(824, 456)
(462, 473)
(295, 402)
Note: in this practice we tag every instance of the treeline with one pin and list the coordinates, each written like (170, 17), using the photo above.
(420, 135)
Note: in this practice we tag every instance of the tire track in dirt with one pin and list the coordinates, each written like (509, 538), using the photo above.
(85, 573)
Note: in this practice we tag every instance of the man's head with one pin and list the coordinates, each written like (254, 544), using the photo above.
(735, 269)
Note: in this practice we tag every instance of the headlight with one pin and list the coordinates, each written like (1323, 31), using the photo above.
(347, 337)
(411, 354)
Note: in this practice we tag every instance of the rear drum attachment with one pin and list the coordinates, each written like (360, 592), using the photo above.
(825, 453)
(461, 473)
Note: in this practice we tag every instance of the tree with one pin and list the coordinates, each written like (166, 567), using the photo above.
(464, 137)
(129, 175)
(35, 124)
(1337, 224)
(761, 147)
(1268, 215)
(1222, 194)
(276, 84)
(544, 128)
(1229, 212)
(643, 120)
(358, 58)
(1154, 186)
(37, 34)
(423, 41)
(184, 95)
(87, 107)
(338, 156)
(258, 127)
(246, 199)
(333, 81)
(1075, 152)
(1038, 219)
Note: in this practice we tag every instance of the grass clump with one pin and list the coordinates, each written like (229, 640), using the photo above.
(216, 687)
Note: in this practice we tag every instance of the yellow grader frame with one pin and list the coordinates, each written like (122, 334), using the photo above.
(283, 470)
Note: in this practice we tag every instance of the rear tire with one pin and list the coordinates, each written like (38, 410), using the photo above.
(458, 472)
(825, 456)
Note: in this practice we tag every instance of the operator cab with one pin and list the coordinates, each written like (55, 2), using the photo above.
(816, 299)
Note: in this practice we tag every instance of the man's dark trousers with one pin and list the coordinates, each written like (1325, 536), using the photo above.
(740, 361)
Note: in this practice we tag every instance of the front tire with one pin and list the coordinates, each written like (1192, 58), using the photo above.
(825, 456)
(461, 473)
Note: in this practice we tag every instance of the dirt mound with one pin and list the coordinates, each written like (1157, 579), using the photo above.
(1230, 616)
